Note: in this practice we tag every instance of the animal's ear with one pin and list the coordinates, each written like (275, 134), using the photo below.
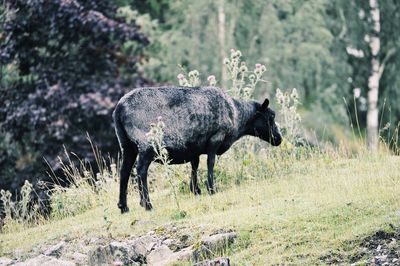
(265, 104)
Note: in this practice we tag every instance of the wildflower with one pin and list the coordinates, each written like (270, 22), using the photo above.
(237, 54)
(386, 127)
(180, 76)
(193, 74)
(211, 80)
(279, 96)
(247, 91)
(160, 124)
(226, 61)
(258, 65)
(294, 95)
(183, 82)
(243, 68)
(232, 50)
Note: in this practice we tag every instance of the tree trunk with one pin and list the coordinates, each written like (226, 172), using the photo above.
(221, 39)
(374, 78)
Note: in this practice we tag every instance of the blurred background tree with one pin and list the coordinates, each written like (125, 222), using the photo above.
(65, 63)
(359, 35)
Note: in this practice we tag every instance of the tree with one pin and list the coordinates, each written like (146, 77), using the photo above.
(73, 60)
(371, 37)
(374, 78)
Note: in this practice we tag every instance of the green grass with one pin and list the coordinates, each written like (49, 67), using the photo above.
(314, 208)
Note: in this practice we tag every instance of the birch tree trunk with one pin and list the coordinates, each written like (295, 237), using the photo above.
(374, 78)
(221, 39)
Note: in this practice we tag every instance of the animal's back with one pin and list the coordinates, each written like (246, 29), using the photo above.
(191, 115)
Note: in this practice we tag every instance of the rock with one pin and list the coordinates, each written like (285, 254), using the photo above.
(79, 258)
(219, 240)
(184, 254)
(222, 261)
(144, 244)
(213, 244)
(43, 260)
(161, 255)
(55, 250)
(114, 252)
(5, 261)
(100, 255)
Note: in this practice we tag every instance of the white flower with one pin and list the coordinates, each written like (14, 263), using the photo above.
(193, 73)
(243, 68)
(211, 80)
(294, 94)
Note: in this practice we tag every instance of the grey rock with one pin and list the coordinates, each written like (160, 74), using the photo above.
(101, 255)
(184, 254)
(162, 255)
(55, 250)
(213, 244)
(5, 261)
(222, 261)
(144, 244)
(114, 252)
(43, 260)
(219, 240)
(78, 258)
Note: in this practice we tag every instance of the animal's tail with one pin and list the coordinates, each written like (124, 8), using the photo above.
(122, 136)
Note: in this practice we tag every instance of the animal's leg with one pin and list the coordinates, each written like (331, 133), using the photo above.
(194, 185)
(210, 175)
(129, 154)
(212, 147)
(142, 167)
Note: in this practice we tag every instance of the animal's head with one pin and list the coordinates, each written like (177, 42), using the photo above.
(264, 125)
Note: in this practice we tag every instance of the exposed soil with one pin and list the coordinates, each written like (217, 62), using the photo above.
(381, 248)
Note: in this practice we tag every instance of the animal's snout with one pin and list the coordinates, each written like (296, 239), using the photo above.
(276, 140)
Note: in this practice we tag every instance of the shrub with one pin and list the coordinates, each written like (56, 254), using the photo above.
(66, 67)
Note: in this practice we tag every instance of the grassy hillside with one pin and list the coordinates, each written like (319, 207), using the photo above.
(300, 210)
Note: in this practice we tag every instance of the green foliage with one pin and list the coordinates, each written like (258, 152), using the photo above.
(63, 67)
(355, 29)
(300, 50)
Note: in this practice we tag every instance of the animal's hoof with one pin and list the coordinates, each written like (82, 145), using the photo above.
(195, 191)
(211, 191)
(123, 208)
(146, 204)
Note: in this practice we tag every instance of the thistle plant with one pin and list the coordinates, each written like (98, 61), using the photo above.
(192, 79)
(155, 137)
(289, 117)
(243, 80)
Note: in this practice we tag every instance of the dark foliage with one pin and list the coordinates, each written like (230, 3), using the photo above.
(72, 70)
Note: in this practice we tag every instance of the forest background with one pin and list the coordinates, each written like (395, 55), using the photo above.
(65, 63)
